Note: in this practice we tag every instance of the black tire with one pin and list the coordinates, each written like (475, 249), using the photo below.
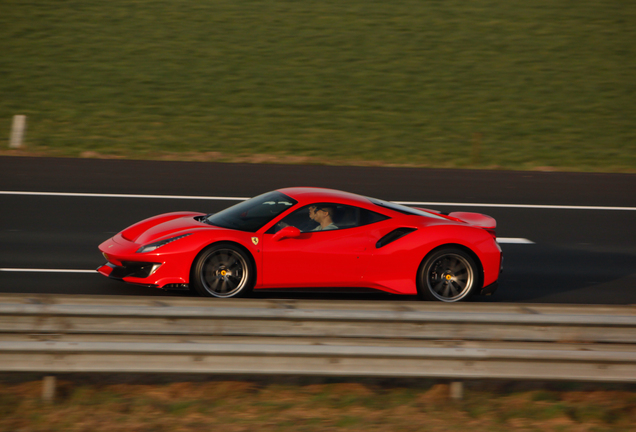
(448, 275)
(223, 270)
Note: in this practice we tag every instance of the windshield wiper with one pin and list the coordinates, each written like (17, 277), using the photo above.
(204, 219)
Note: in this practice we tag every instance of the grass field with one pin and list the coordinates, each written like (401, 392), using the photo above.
(235, 406)
(547, 84)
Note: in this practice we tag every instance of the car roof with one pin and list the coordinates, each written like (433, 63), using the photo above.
(314, 194)
(308, 195)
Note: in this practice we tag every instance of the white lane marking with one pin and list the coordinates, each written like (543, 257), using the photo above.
(513, 240)
(71, 194)
(529, 206)
(411, 203)
(32, 270)
(501, 240)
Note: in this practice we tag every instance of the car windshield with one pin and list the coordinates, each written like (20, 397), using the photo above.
(404, 209)
(253, 214)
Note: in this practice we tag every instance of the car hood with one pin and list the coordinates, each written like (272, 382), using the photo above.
(163, 226)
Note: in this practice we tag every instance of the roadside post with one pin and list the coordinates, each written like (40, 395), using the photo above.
(17, 131)
(48, 389)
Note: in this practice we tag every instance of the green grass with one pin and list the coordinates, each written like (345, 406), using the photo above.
(510, 84)
(189, 406)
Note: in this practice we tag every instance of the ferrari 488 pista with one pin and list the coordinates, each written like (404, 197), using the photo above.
(304, 238)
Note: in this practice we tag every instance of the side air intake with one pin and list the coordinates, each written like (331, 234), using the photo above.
(393, 236)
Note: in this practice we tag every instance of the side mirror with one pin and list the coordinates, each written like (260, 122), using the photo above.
(287, 232)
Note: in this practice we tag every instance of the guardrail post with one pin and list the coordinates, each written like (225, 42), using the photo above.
(457, 390)
(48, 389)
(17, 131)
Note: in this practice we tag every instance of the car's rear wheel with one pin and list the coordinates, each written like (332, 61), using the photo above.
(223, 270)
(448, 275)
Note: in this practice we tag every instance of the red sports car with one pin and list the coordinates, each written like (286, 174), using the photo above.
(310, 238)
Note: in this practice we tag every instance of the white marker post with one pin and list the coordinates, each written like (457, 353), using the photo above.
(17, 131)
(48, 389)
(457, 390)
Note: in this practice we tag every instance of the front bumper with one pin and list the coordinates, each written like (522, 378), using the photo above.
(147, 269)
(133, 269)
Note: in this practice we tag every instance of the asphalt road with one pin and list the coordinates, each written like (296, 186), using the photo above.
(579, 255)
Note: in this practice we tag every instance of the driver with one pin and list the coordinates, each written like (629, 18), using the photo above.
(324, 217)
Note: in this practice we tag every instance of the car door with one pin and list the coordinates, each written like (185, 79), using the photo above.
(331, 258)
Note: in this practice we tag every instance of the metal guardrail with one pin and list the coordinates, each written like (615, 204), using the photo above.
(55, 334)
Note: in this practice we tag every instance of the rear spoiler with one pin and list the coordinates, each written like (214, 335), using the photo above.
(473, 219)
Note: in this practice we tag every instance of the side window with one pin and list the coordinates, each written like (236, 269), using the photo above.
(326, 217)
(368, 217)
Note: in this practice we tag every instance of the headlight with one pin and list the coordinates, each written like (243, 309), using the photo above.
(156, 245)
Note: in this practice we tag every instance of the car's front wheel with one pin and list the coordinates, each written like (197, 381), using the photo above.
(223, 270)
(447, 275)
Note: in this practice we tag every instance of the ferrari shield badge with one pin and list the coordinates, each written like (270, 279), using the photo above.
(255, 240)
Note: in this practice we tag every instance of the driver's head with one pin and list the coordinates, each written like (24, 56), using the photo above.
(329, 211)
(319, 213)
